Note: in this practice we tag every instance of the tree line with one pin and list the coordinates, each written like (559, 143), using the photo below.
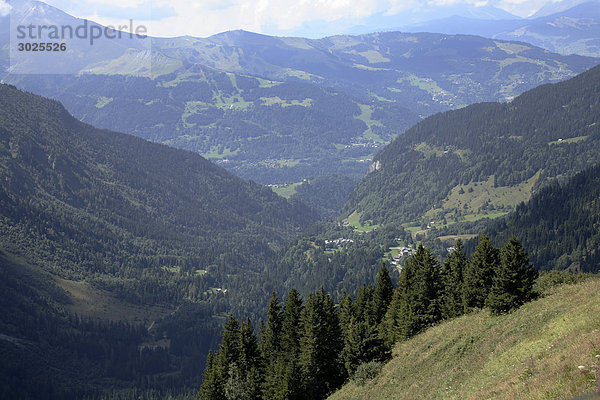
(308, 349)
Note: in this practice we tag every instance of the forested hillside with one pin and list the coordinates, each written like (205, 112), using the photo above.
(484, 159)
(560, 224)
(267, 131)
(277, 109)
(327, 194)
(104, 224)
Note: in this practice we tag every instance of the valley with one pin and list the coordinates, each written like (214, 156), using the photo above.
(378, 213)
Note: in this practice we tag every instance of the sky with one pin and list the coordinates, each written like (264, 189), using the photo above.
(314, 18)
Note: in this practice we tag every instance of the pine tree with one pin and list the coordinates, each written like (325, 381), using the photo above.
(321, 344)
(212, 387)
(362, 344)
(217, 372)
(271, 337)
(479, 274)
(362, 340)
(451, 276)
(364, 305)
(415, 304)
(513, 281)
(235, 384)
(249, 354)
(291, 325)
(283, 376)
(271, 350)
(229, 349)
(383, 293)
(345, 312)
(423, 285)
(390, 325)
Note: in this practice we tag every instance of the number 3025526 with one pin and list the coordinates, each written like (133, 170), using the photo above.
(42, 46)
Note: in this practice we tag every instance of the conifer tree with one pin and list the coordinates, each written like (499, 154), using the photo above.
(383, 293)
(390, 325)
(415, 304)
(271, 350)
(362, 344)
(422, 301)
(218, 374)
(364, 305)
(229, 349)
(212, 387)
(451, 276)
(291, 324)
(321, 345)
(270, 339)
(345, 312)
(235, 384)
(362, 341)
(283, 378)
(513, 281)
(479, 274)
(249, 363)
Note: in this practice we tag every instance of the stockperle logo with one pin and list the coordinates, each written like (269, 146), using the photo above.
(45, 41)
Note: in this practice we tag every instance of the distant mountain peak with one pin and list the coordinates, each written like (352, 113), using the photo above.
(553, 8)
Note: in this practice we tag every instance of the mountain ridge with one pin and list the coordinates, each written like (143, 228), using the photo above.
(571, 31)
(457, 163)
(280, 110)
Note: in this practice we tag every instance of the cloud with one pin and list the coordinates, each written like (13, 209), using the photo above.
(4, 8)
(206, 17)
(523, 8)
(203, 18)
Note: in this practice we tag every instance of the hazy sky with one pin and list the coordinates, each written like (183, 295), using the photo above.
(207, 17)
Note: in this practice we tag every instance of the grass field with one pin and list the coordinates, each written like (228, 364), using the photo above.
(365, 116)
(476, 199)
(102, 101)
(416, 230)
(354, 221)
(269, 101)
(226, 152)
(570, 140)
(286, 191)
(454, 238)
(548, 349)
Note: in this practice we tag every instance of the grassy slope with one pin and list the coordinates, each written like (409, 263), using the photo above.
(533, 353)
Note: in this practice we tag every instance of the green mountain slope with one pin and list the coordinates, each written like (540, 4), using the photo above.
(118, 196)
(559, 224)
(548, 349)
(153, 244)
(484, 159)
(425, 72)
(267, 131)
(279, 109)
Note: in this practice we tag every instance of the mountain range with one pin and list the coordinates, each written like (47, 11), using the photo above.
(575, 30)
(277, 109)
